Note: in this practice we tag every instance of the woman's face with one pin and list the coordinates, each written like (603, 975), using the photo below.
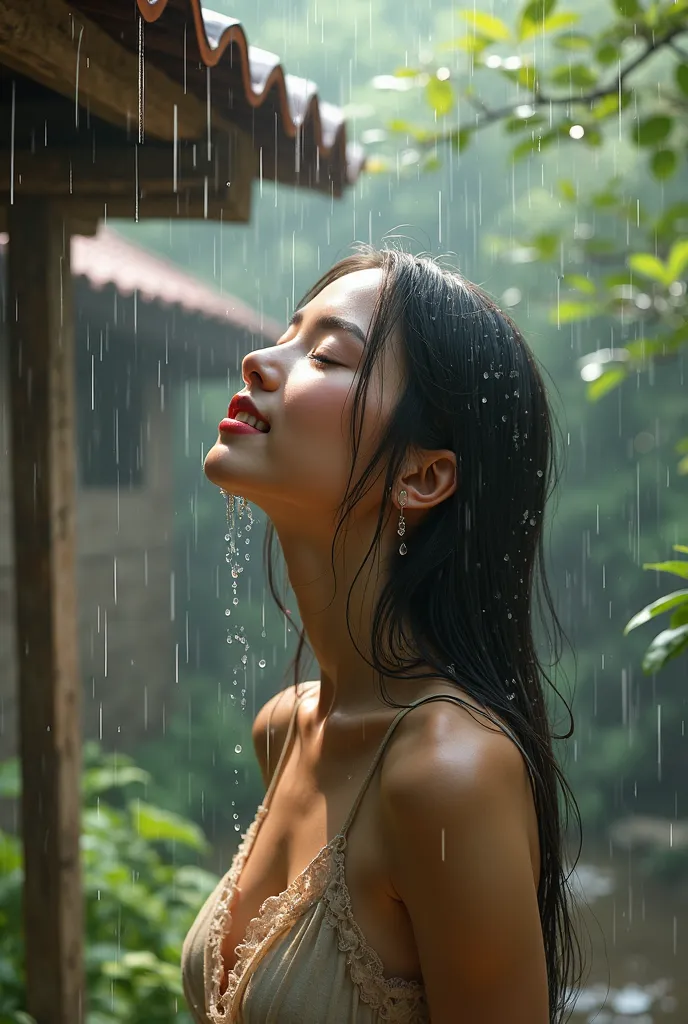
(300, 468)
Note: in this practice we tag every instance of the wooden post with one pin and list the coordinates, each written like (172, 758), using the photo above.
(41, 343)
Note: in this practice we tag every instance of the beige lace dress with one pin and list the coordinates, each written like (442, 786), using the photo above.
(303, 960)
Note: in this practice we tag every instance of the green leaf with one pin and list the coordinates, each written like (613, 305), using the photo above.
(662, 604)
(406, 73)
(535, 144)
(607, 54)
(667, 645)
(574, 74)
(547, 244)
(680, 617)
(460, 140)
(567, 190)
(552, 23)
(627, 8)
(682, 78)
(573, 41)
(469, 43)
(677, 260)
(580, 283)
(10, 779)
(100, 780)
(675, 567)
(528, 77)
(653, 130)
(440, 95)
(155, 824)
(663, 163)
(518, 124)
(572, 310)
(487, 25)
(609, 380)
(606, 106)
(534, 13)
(647, 265)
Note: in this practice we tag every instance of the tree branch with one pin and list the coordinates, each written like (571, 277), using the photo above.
(490, 116)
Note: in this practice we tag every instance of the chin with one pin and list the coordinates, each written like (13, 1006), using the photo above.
(214, 465)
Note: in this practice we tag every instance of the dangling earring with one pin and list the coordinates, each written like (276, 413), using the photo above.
(401, 529)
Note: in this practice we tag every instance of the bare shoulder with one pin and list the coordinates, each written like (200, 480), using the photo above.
(463, 742)
(275, 714)
(460, 837)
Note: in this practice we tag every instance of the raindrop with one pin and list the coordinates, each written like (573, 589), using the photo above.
(227, 611)
(540, 473)
(237, 749)
(235, 600)
(262, 663)
(484, 401)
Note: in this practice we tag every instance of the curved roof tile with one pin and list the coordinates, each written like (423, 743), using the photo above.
(303, 138)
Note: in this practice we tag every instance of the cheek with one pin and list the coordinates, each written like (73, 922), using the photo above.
(322, 410)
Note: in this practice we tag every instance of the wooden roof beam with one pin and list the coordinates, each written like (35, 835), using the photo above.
(51, 43)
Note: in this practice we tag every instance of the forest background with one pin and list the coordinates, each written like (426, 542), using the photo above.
(548, 235)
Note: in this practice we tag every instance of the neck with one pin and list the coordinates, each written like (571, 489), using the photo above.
(347, 682)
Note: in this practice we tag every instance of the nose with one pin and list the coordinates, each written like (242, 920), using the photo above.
(258, 369)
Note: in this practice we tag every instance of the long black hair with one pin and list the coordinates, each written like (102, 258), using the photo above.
(463, 596)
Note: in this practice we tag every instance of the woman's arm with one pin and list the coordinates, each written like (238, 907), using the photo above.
(458, 824)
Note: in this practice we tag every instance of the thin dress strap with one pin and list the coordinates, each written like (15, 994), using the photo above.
(393, 724)
(285, 747)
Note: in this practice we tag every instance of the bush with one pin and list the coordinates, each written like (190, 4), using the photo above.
(142, 893)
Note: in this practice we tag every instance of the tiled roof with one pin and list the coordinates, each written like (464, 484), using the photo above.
(302, 138)
(108, 259)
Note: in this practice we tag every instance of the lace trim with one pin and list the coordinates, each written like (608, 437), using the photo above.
(221, 917)
(274, 915)
(396, 999)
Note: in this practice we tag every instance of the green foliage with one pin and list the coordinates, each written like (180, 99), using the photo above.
(142, 893)
(593, 89)
(673, 641)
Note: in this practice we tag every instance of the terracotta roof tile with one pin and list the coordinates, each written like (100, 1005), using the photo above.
(302, 138)
(108, 259)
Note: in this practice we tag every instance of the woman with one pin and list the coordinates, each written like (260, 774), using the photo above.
(411, 865)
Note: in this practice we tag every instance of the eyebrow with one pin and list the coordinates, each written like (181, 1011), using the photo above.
(331, 323)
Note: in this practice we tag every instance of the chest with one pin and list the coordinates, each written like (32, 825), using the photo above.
(303, 818)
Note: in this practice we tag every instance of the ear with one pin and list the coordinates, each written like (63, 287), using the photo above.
(431, 478)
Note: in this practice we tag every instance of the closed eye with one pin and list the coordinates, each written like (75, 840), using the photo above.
(322, 359)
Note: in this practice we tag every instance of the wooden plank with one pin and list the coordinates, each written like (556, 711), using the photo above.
(51, 43)
(80, 170)
(41, 386)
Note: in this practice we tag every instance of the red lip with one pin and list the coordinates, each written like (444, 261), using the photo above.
(242, 403)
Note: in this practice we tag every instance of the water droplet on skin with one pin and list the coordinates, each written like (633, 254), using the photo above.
(262, 663)
(237, 749)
